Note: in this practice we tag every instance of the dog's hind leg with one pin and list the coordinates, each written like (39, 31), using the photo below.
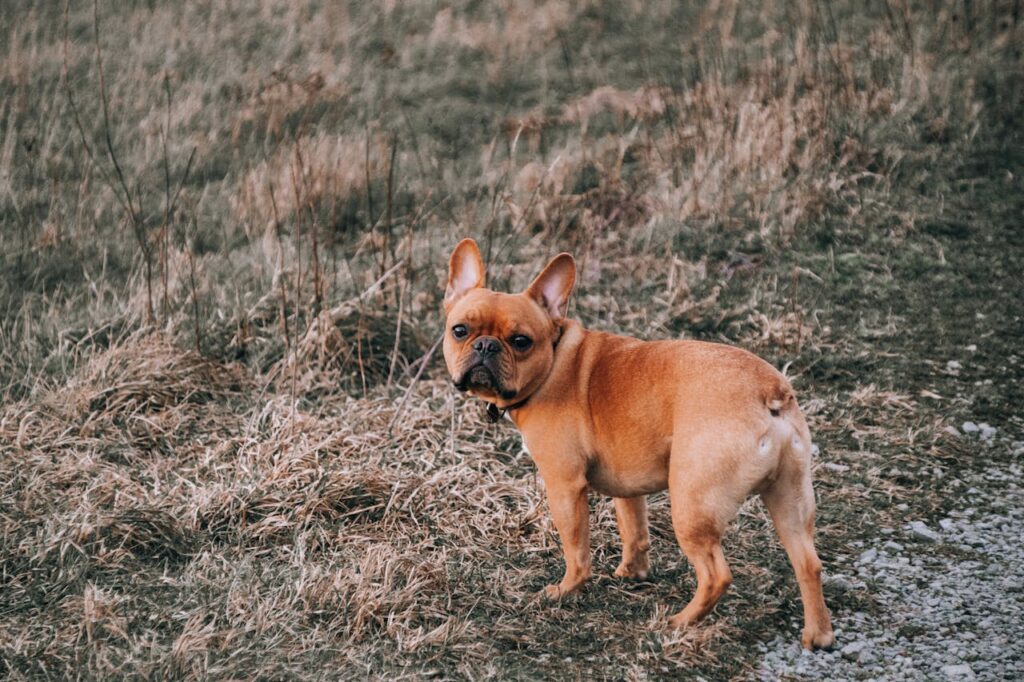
(713, 574)
(701, 510)
(631, 514)
(790, 501)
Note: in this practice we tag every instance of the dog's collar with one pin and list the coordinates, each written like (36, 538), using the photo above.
(495, 413)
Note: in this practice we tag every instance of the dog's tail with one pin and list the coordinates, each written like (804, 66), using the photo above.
(780, 398)
(781, 403)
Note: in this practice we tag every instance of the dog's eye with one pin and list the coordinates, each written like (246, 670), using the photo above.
(520, 342)
(460, 331)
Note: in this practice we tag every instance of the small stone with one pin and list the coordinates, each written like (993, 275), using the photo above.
(868, 556)
(893, 546)
(854, 650)
(969, 427)
(987, 432)
(958, 672)
(838, 468)
(920, 531)
(838, 583)
(946, 524)
(954, 366)
(973, 348)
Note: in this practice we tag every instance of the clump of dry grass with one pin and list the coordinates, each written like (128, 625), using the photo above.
(762, 150)
(317, 173)
(270, 101)
(147, 374)
(145, 533)
(645, 104)
(350, 352)
(517, 28)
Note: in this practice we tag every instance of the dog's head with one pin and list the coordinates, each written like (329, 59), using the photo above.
(500, 347)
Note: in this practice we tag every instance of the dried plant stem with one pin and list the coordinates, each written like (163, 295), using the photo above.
(195, 294)
(398, 332)
(424, 361)
(133, 212)
(386, 246)
(279, 270)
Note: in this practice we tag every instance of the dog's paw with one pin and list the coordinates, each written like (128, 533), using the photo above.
(553, 592)
(563, 589)
(817, 639)
(683, 619)
(634, 570)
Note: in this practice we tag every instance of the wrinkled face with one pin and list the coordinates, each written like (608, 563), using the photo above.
(499, 347)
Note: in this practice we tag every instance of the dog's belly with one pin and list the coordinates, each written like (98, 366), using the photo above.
(650, 477)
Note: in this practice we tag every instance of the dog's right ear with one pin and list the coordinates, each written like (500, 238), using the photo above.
(465, 272)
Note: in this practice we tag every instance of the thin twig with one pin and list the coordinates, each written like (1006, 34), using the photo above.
(398, 332)
(415, 379)
(279, 268)
(195, 291)
(133, 213)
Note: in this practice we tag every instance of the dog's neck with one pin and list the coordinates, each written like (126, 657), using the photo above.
(566, 344)
(495, 413)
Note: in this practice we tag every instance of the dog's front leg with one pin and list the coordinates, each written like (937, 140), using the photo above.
(631, 514)
(571, 513)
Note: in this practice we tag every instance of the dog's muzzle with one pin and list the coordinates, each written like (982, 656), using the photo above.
(483, 377)
(478, 376)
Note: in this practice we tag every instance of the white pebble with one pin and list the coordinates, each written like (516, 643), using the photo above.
(958, 672)
(922, 532)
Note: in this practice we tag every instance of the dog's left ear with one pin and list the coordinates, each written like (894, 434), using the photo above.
(553, 286)
(465, 271)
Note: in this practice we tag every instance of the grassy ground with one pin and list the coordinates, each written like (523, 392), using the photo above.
(216, 461)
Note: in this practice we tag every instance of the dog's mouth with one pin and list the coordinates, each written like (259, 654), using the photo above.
(480, 377)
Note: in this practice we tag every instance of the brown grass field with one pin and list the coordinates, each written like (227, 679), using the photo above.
(228, 449)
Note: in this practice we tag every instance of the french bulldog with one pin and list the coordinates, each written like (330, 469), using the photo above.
(623, 417)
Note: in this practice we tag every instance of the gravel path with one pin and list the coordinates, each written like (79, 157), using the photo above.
(950, 595)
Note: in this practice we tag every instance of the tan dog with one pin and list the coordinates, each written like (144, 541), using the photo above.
(626, 418)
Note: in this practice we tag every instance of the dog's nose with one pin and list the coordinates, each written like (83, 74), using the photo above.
(486, 345)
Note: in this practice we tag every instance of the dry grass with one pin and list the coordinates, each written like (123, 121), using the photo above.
(183, 522)
(272, 478)
(308, 175)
